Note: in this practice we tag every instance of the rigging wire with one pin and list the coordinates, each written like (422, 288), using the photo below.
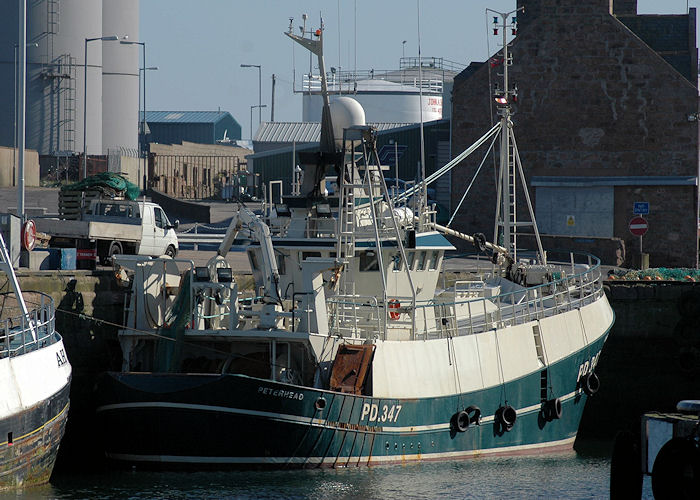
(459, 205)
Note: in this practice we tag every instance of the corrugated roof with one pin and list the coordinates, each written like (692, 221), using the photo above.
(303, 131)
(185, 116)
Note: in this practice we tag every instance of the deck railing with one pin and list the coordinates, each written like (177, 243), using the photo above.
(462, 314)
(20, 334)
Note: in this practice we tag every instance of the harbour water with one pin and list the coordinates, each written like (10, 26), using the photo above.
(577, 475)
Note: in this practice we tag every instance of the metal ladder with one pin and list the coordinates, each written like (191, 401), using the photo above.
(65, 66)
(512, 183)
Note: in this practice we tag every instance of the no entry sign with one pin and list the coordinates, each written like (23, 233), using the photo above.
(639, 226)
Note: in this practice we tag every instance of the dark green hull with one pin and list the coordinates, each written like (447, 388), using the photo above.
(234, 420)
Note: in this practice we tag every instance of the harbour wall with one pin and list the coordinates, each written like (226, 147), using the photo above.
(652, 357)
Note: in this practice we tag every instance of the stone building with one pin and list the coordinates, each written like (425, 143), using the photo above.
(607, 115)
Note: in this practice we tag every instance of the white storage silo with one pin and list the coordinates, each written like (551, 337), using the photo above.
(384, 102)
(120, 76)
(55, 77)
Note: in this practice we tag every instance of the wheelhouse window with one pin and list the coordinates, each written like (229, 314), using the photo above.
(281, 264)
(421, 261)
(253, 260)
(410, 256)
(305, 255)
(369, 261)
(397, 262)
(433, 262)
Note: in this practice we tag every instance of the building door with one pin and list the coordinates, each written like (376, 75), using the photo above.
(575, 211)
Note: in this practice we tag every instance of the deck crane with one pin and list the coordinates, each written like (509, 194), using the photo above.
(245, 217)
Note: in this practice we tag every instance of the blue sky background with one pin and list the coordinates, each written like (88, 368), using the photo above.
(199, 46)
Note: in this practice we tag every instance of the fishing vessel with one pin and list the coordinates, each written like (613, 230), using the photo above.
(353, 351)
(35, 378)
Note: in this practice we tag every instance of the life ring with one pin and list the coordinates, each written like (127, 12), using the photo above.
(29, 235)
(506, 416)
(393, 309)
(590, 383)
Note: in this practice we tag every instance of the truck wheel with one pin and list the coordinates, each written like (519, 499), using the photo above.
(170, 251)
(115, 248)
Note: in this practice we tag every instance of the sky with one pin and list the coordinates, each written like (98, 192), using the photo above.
(198, 46)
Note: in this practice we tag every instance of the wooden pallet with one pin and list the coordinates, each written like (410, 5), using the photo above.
(71, 203)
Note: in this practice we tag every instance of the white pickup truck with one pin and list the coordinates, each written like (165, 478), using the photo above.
(116, 227)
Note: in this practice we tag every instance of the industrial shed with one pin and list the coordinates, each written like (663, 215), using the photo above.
(203, 127)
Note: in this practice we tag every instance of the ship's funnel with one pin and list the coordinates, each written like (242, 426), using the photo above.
(346, 112)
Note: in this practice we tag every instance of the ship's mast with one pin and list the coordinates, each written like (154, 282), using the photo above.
(315, 45)
(507, 224)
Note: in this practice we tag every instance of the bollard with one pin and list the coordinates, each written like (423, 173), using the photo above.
(645, 261)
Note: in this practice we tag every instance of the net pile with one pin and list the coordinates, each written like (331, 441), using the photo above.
(109, 183)
(657, 274)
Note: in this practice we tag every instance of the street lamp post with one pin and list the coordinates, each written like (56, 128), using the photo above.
(142, 127)
(251, 117)
(260, 106)
(87, 40)
(143, 116)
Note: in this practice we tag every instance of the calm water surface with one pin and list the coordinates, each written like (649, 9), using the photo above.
(563, 475)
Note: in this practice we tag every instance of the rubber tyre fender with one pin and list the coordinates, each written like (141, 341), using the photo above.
(553, 409)
(474, 413)
(460, 421)
(506, 416)
(479, 241)
(590, 383)
(676, 470)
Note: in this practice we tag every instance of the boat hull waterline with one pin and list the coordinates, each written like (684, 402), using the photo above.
(235, 420)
